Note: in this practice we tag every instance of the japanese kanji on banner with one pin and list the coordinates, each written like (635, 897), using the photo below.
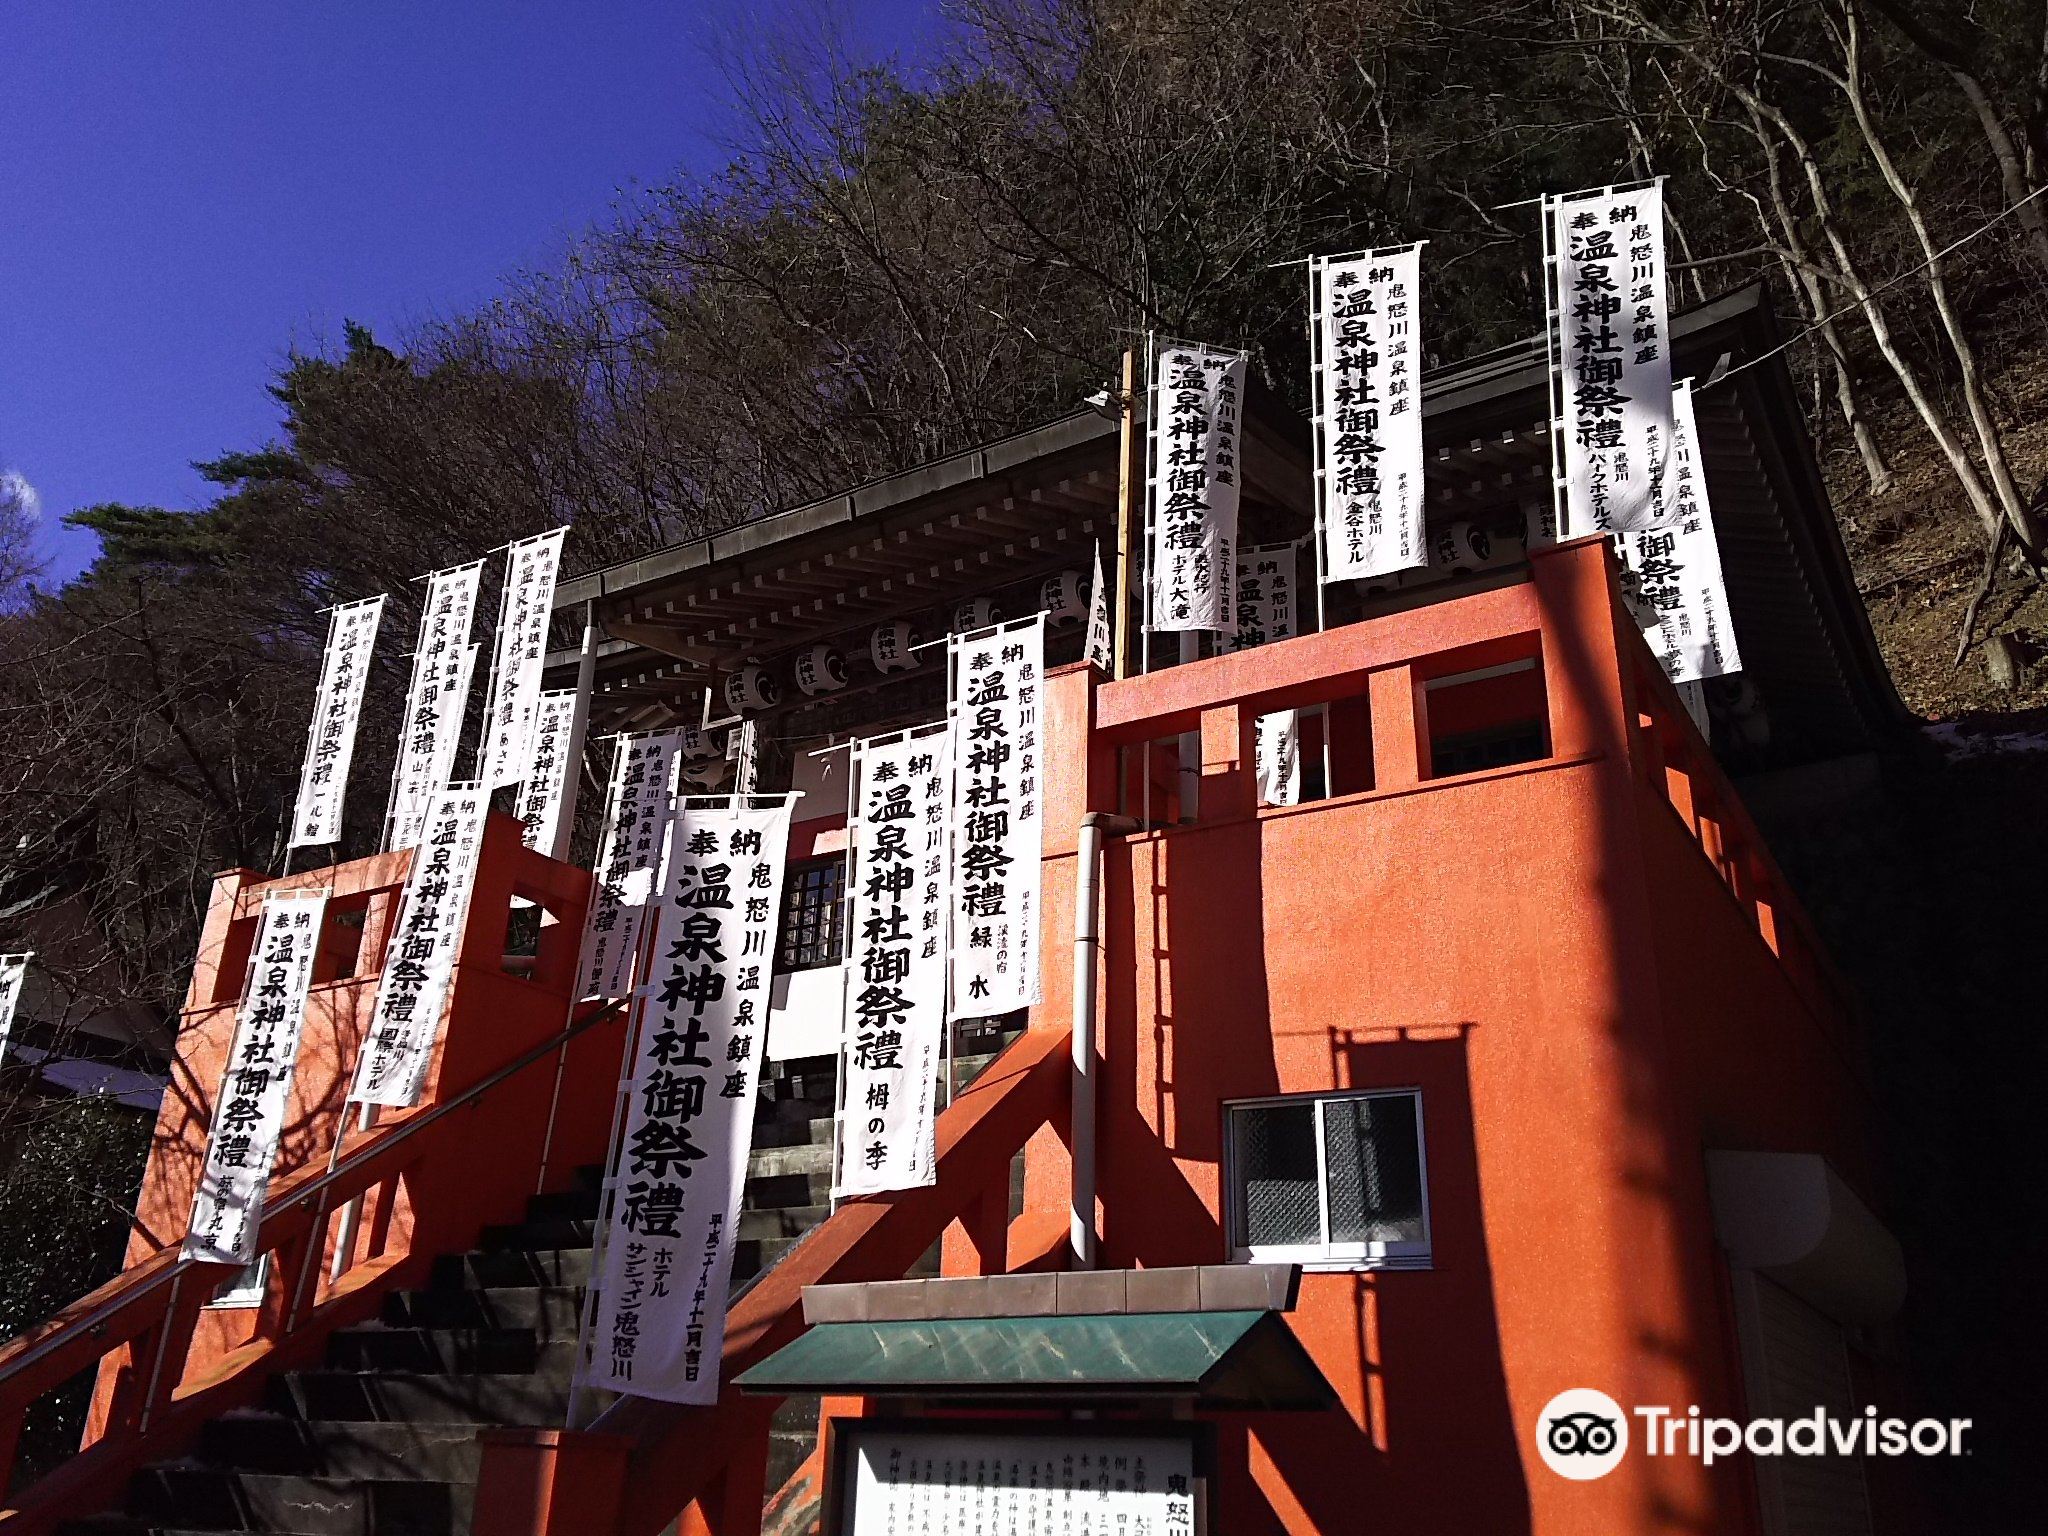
(523, 610)
(1365, 321)
(436, 736)
(543, 789)
(1197, 416)
(419, 969)
(998, 733)
(436, 697)
(331, 743)
(1101, 653)
(896, 964)
(629, 860)
(1679, 596)
(702, 1023)
(256, 1083)
(13, 972)
(1614, 356)
(1265, 613)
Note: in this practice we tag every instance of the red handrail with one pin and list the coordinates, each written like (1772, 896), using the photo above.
(154, 1305)
(662, 1457)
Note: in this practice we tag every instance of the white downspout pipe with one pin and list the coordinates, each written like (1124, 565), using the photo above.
(1081, 1237)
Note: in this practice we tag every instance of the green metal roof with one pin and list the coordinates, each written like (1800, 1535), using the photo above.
(1221, 1359)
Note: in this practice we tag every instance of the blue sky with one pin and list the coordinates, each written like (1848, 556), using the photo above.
(190, 190)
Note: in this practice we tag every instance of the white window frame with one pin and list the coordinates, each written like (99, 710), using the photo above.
(251, 1283)
(1378, 1254)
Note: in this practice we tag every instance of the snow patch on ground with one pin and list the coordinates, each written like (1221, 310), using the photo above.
(1959, 744)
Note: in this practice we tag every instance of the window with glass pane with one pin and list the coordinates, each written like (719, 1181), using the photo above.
(812, 894)
(1331, 1179)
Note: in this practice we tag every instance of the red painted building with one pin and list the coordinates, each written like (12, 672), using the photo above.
(1510, 1036)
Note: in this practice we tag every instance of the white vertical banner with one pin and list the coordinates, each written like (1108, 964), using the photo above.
(1266, 577)
(13, 972)
(658, 1319)
(1613, 355)
(1263, 603)
(256, 1083)
(1101, 652)
(524, 608)
(426, 940)
(1679, 596)
(539, 804)
(443, 699)
(1197, 415)
(1364, 323)
(998, 817)
(629, 860)
(434, 702)
(895, 964)
(331, 743)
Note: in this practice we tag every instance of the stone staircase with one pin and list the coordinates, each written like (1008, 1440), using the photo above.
(382, 1439)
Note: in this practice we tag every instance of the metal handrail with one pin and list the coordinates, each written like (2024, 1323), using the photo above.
(398, 1132)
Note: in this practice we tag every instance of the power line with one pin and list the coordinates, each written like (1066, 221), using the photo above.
(1884, 287)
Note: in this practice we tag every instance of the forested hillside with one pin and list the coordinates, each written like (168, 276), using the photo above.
(900, 264)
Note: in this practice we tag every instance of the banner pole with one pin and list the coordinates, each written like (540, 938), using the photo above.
(1553, 310)
(855, 760)
(579, 729)
(1318, 485)
(1128, 484)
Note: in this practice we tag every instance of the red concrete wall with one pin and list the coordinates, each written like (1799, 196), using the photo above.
(493, 1014)
(1546, 952)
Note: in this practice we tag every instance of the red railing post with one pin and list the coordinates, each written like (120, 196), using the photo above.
(1400, 728)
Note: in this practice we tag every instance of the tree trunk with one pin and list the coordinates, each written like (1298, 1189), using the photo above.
(1935, 276)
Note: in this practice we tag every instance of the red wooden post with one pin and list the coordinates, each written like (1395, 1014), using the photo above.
(548, 1482)
(1400, 728)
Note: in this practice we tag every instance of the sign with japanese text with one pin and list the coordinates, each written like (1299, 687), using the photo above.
(13, 972)
(1197, 417)
(419, 966)
(936, 1483)
(629, 860)
(331, 743)
(523, 610)
(1365, 315)
(1101, 652)
(896, 965)
(256, 1083)
(659, 1314)
(1265, 612)
(433, 737)
(1614, 356)
(1679, 595)
(1264, 602)
(998, 815)
(543, 790)
(437, 696)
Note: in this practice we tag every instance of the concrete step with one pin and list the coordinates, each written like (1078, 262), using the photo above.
(751, 1256)
(551, 1311)
(783, 1221)
(272, 1442)
(566, 1202)
(115, 1523)
(777, 1162)
(456, 1351)
(544, 1232)
(209, 1499)
(511, 1268)
(792, 1436)
(536, 1397)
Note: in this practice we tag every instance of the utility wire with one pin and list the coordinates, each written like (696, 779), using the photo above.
(1884, 287)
